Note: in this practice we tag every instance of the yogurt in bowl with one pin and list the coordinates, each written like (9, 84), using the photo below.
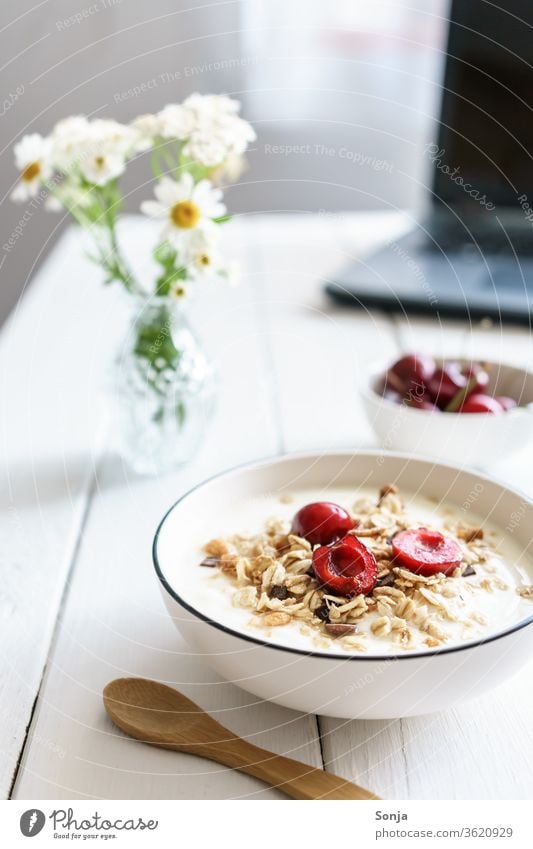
(411, 643)
(262, 579)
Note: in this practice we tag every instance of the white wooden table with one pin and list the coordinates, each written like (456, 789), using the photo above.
(78, 598)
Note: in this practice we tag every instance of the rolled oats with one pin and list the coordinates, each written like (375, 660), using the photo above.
(272, 620)
(274, 579)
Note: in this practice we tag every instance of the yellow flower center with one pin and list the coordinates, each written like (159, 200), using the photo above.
(204, 259)
(185, 214)
(99, 161)
(31, 171)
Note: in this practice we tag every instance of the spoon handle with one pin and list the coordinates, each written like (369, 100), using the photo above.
(295, 779)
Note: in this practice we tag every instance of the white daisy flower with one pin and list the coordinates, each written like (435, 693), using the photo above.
(68, 138)
(211, 106)
(95, 150)
(211, 128)
(203, 258)
(101, 167)
(206, 149)
(213, 142)
(184, 207)
(179, 290)
(147, 128)
(32, 158)
(175, 121)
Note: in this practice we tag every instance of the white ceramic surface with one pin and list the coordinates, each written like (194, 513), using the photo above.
(473, 439)
(360, 686)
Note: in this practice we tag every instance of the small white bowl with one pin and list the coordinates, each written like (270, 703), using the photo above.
(354, 686)
(471, 439)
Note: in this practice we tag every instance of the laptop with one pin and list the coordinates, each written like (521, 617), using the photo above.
(471, 255)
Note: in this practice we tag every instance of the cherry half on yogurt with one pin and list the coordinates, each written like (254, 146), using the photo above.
(322, 522)
(346, 568)
(426, 552)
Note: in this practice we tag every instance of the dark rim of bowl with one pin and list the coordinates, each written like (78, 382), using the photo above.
(327, 655)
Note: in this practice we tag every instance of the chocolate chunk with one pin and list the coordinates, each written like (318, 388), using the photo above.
(322, 612)
(468, 571)
(210, 561)
(386, 581)
(339, 629)
(279, 592)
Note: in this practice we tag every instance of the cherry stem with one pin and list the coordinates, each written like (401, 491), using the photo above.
(461, 396)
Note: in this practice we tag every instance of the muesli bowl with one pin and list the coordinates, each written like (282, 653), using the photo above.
(302, 667)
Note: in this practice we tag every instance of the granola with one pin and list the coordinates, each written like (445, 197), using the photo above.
(271, 575)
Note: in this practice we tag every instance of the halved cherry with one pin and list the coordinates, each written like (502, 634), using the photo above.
(426, 552)
(322, 522)
(346, 568)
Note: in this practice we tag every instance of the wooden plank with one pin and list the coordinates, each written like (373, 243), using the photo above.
(49, 440)
(114, 623)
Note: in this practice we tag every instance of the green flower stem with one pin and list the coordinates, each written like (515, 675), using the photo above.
(102, 213)
(156, 353)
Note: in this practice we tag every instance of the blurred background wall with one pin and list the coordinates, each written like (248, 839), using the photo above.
(343, 95)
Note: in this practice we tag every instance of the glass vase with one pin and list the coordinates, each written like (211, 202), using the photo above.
(163, 388)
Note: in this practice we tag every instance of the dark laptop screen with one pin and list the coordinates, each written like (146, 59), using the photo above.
(486, 131)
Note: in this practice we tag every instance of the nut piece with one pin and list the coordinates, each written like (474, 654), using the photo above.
(228, 563)
(216, 548)
(469, 534)
(526, 592)
(275, 619)
(338, 629)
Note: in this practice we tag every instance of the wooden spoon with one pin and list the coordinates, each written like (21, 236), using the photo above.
(160, 716)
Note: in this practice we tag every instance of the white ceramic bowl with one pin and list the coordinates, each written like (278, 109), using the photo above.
(473, 439)
(344, 685)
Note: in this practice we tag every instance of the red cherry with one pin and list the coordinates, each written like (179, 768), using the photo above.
(426, 552)
(346, 568)
(322, 522)
(505, 402)
(420, 402)
(481, 376)
(480, 403)
(410, 371)
(446, 383)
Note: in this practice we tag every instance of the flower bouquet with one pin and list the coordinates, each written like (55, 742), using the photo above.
(163, 382)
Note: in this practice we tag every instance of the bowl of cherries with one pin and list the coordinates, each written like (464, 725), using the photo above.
(457, 410)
